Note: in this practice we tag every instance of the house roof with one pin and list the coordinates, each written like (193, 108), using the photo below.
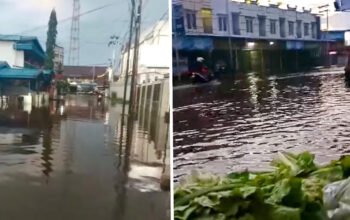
(3, 64)
(26, 43)
(83, 71)
(11, 73)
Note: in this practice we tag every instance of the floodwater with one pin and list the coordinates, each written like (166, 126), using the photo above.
(69, 161)
(243, 123)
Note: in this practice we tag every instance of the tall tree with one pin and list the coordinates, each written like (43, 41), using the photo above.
(51, 41)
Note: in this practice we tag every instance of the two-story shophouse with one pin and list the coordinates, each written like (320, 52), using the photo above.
(245, 36)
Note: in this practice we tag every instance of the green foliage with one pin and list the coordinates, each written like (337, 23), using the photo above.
(51, 41)
(292, 191)
(60, 68)
(62, 87)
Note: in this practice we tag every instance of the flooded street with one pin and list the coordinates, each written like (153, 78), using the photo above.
(70, 161)
(242, 124)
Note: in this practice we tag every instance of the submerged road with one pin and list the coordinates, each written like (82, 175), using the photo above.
(68, 162)
(242, 124)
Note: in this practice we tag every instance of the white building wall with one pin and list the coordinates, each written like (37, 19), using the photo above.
(196, 6)
(59, 55)
(154, 55)
(225, 7)
(8, 54)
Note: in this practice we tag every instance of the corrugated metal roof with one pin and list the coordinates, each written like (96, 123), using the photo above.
(83, 71)
(25, 43)
(10, 73)
(3, 64)
(16, 38)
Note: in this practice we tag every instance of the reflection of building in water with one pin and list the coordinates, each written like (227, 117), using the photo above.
(20, 127)
(22, 141)
(85, 107)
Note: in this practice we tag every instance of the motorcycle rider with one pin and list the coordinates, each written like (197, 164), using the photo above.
(201, 72)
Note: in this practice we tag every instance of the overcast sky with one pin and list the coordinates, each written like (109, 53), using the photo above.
(23, 16)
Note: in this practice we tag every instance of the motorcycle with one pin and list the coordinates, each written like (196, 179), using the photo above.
(204, 76)
(99, 98)
(347, 73)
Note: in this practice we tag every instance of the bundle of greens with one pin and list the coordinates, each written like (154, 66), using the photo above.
(292, 191)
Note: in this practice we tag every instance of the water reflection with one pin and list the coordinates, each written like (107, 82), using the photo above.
(70, 161)
(242, 124)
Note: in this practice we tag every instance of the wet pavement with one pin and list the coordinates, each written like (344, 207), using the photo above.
(242, 124)
(70, 161)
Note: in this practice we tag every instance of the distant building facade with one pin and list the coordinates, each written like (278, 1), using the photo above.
(231, 18)
(339, 47)
(211, 28)
(58, 59)
(88, 74)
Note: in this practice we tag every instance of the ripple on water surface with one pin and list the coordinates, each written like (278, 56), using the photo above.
(244, 126)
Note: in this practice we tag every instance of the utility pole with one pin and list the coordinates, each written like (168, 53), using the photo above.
(132, 17)
(135, 57)
(130, 121)
(93, 74)
(114, 41)
(229, 35)
(131, 29)
(325, 9)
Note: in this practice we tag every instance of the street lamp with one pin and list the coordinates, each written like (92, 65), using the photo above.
(250, 44)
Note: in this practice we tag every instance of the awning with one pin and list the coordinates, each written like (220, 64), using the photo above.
(295, 45)
(193, 43)
(48, 72)
(3, 65)
(11, 73)
(31, 46)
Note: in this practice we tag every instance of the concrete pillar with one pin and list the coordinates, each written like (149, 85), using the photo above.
(140, 102)
(236, 60)
(281, 61)
(297, 60)
(162, 131)
(144, 106)
(262, 60)
(150, 107)
(165, 180)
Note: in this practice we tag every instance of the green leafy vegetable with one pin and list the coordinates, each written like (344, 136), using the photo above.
(292, 191)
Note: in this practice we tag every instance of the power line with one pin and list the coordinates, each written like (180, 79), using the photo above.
(67, 19)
